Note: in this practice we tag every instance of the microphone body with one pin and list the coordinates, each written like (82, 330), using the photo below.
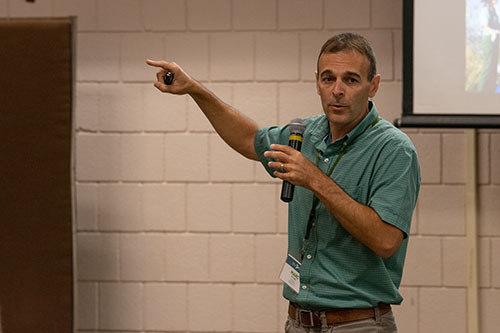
(297, 128)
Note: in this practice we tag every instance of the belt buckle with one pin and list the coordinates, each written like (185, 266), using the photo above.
(311, 318)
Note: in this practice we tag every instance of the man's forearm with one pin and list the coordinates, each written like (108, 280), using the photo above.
(361, 221)
(237, 130)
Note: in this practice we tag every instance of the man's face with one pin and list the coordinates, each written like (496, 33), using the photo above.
(342, 83)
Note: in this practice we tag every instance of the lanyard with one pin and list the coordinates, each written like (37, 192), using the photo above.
(315, 202)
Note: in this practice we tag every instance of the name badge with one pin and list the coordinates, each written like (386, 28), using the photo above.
(290, 274)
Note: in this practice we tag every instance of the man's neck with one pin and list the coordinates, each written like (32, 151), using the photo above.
(338, 132)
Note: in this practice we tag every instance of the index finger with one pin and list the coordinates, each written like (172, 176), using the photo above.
(155, 63)
(278, 147)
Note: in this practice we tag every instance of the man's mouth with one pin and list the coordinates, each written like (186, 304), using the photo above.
(337, 106)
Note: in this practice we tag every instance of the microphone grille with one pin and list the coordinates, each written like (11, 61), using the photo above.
(297, 125)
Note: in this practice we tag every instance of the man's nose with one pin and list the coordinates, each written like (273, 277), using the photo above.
(338, 88)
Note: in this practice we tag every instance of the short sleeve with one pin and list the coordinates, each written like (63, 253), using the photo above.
(264, 138)
(395, 184)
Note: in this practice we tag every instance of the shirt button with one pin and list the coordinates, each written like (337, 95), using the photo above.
(304, 287)
(326, 160)
(309, 256)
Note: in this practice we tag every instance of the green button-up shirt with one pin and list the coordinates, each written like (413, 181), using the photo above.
(379, 169)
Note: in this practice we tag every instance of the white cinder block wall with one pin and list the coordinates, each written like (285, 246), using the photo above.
(175, 232)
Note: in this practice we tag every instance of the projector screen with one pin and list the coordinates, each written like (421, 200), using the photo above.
(451, 67)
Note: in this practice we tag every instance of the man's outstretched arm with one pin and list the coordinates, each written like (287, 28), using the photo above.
(237, 130)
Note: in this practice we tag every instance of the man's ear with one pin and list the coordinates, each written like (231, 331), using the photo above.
(374, 86)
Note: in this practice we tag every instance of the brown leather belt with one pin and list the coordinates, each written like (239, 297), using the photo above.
(338, 316)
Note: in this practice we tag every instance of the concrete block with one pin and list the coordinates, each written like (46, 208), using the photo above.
(490, 308)
(255, 308)
(164, 15)
(300, 15)
(270, 255)
(209, 301)
(489, 210)
(254, 208)
(3, 8)
(232, 258)
(387, 14)
(226, 164)
(454, 262)
(120, 207)
(142, 157)
(87, 107)
(186, 157)
(231, 56)
(258, 101)
(209, 207)
(495, 263)
(98, 157)
(135, 49)
(86, 311)
(98, 57)
(495, 158)
(197, 122)
(423, 264)
(389, 100)
(398, 55)
(298, 100)
(97, 256)
(454, 158)
(86, 206)
(120, 107)
(120, 306)
(406, 314)
(41, 8)
(441, 210)
(209, 15)
(254, 14)
(119, 15)
(442, 310)
(428, 147)
(277, 56)
(142, 257)
(186, 257)
(354, 14)
(190, 51)
(383, 45)
(164, 207)
(163, 112)
(165, 307)
(85, 10)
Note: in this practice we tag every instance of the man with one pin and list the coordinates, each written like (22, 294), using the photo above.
(357, 179)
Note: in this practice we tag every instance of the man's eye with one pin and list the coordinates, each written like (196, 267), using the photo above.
(352, 80)
(327, 79)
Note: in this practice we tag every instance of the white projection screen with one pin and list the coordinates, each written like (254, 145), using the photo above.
(451, 67)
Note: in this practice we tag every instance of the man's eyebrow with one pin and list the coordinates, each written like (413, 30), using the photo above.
(353, 74)
(348, 73)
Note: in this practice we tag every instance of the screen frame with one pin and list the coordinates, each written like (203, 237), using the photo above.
(408, 118)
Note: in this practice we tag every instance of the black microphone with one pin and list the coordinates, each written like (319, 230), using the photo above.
(297, 128)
